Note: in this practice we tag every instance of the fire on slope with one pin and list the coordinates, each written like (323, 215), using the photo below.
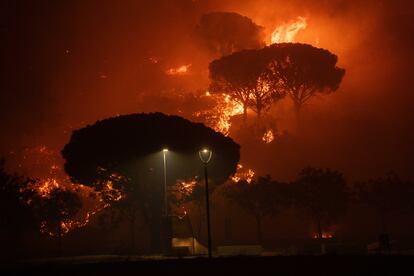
(43, 164)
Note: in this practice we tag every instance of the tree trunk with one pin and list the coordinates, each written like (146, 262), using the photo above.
(319, 228)
(244, 114)
(155, 233)
(259, 229)
(59, 239)
(200, 221)
(297, 109)
(132, 229)
(259, 113)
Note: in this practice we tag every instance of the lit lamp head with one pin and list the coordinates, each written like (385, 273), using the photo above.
(205, 155)
(165, 150)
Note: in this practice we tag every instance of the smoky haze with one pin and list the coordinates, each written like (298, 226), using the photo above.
(70, 63)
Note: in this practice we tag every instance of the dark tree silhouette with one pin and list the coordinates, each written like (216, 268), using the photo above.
(126, 151)
(243, 76)
(261, 198)
(226, 32)
(15, 214)
(57, 209)
(387, 195)
(322, 195)
(302, 71)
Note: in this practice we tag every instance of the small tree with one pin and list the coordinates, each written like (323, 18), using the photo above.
(322, 195)
(226, 32)
(15, 214)
(385, 195)
(56, 211)
(302, 71)
(261, 198)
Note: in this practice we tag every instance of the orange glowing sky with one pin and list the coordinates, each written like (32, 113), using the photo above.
(72, 64)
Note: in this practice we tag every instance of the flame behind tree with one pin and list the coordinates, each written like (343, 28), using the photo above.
(44, 165)
(242, 76)
(287, 32)
(243, 174)
(268, 136)
(219, 116)
(56, 211)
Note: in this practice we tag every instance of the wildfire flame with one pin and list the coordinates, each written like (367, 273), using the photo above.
(44, 164)
(186, 187)
(243, 174)
(44, 188)
(219, 117)
(180, 70)
(287, 32)
(268, 136)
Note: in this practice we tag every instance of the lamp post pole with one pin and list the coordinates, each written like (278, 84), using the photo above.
(205, 156)
(208, 212)
(164, 151)
(167, 219)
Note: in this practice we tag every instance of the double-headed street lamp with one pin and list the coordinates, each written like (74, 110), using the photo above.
(205, 156)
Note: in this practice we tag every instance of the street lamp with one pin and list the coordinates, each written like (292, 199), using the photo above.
(205, 156)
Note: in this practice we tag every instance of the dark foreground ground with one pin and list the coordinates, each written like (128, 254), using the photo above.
(275, 265)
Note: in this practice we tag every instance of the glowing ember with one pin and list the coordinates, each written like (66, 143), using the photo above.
(43, 188)
(325, 235)
(243, 174)
(181, 70)
(185, 188)
(287, 32)
(268, 136)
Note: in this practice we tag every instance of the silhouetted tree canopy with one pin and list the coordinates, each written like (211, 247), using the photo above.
(15, 215)
(126, 153)
(121, 144)
(302, 70)
(385, 195)
(261, 198)
(228, 32)
(243, 76)
(258, 78)
(322, 195)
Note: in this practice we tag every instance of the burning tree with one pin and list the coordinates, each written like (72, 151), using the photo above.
(262, 198)
(126, 151)
(227, 32)
(322, 195)
(56, 211)
(242, 75)
(302, 71)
